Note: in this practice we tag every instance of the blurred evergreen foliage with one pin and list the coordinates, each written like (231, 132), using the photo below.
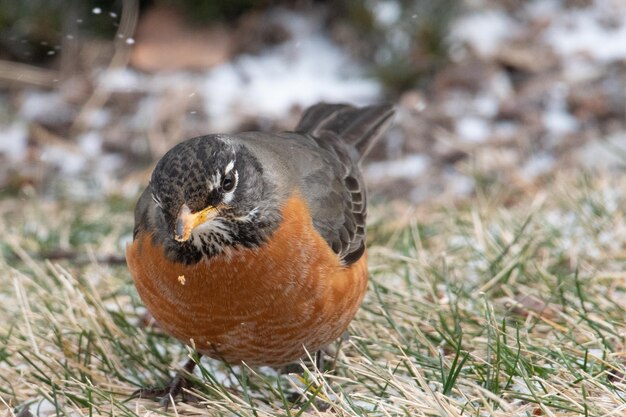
(207, 11)
(32, 31)
(29, 29)
(404, 40)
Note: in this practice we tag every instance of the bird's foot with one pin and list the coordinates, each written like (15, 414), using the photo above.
(299, 401)
(299, 367)
(176, 387)
(167, 394)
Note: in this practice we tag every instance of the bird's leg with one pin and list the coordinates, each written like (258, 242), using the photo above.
(319, 360)
(332, 353)
(299, 399)
(344, 338)
(297, 368)
(174, 388)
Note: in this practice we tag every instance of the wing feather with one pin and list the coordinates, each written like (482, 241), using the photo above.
(339, 202)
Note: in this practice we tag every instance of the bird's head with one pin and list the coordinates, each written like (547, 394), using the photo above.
(211, 194)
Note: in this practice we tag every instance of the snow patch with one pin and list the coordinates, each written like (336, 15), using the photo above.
(608, 153)
(506, 129)
(45, 107)
(584, 31)
(486, 105)
(408, 167)
(317, 70)
(559, 122)
(70, 163)
(42, 408)
(579, 70)
(387, 12)
(121, 80)
(14, 141)
(484, 31)
(472, 129)
(541, 9)
(537, 165)
(460, 185)
(557, 119)
(91, 143)
(98, 118)
(298, 73)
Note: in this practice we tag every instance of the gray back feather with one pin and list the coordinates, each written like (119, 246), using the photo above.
(335, 189)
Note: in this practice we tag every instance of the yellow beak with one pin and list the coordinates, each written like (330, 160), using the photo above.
(187, 221)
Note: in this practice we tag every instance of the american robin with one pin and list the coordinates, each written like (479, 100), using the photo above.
(251, 247)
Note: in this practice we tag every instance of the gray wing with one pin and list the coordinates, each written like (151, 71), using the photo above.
(335, 189)
(335, 193)
(325, 170)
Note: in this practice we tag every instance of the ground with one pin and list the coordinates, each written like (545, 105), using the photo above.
(482, 308)
(497, 233)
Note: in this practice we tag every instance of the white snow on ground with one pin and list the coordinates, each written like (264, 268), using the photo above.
(483, 104)
(310, 67)
(13, 140)
(608, 153)
(408, 167)
(91, 143)
(42, 408)
(579, 69)
(572, 228)
(598, 31)
(556, 118)
(537, 165)
(44, 106)
(459, 184)
(505, 130)
(520, 385)
(98, 118)
(542, 8)
(317, 70)
(260, 86)
(558, 121)
(387, 12)
(472, 129)
(500, 85)
(68, 161)
(121, 80)
(306, 69)
(486, 105)
(484, 31)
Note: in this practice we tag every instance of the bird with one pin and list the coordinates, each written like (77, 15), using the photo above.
(251, 247)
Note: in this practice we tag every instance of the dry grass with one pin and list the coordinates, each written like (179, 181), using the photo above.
(479, 309)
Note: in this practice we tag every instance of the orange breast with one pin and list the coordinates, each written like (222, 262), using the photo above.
(261, 306)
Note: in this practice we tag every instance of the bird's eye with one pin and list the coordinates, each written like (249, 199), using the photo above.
(229, 181)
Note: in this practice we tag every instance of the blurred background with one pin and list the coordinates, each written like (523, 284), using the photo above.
(490, 93)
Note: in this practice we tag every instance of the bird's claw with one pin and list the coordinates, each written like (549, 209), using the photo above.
(167, 394)
(178, 386)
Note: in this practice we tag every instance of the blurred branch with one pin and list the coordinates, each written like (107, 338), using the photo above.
(80, 259)
(128, 22)
(23, 74)
(43, 137)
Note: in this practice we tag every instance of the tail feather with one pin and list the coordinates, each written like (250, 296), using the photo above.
(360, 127)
